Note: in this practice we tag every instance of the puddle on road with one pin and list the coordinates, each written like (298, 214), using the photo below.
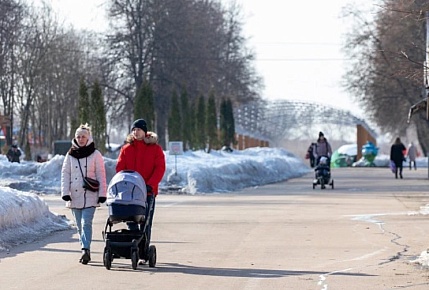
(370, 218)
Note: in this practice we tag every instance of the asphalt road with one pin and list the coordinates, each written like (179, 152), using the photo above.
(363, 234)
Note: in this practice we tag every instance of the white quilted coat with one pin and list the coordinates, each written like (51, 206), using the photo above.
(71, 180)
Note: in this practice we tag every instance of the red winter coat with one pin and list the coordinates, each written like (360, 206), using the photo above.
(146, 157)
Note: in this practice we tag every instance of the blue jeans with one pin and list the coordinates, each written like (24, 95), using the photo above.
(133, 226)
(83, 218)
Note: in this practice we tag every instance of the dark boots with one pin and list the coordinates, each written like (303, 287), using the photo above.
(86, 257)
(400, 173)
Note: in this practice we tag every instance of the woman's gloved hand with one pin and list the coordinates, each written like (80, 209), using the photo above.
(66, 197)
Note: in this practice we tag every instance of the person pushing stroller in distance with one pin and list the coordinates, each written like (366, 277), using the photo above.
(323, 152)
(323, 174)
(322, 148)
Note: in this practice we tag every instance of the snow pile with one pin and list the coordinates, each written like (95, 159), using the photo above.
(25, 217)
(199, 172)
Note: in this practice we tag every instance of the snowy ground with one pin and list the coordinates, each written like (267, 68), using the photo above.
(25, 216)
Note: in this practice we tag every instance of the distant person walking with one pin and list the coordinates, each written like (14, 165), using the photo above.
(310, 154)
(397, 152)
(13, 154)
(412, 155)
(322, 148)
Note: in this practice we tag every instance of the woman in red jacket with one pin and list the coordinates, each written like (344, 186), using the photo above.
(144, 155)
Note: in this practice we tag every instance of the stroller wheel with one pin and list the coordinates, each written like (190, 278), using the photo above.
(134, 258)
(314, 186)
(332, 184)
(152, 256)
(107, 258)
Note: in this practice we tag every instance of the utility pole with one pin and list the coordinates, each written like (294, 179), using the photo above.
(425, 74)
(425, 65)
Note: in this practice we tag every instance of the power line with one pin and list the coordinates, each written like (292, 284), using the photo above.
(298, 43)
(302, 59)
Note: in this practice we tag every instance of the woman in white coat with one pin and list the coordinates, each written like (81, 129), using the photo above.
(83, 160)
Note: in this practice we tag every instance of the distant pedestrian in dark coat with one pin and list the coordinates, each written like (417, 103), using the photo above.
(397, 152)
(310, 154)
(13, 154)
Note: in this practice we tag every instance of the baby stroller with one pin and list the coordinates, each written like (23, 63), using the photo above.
(323, 174)
(126, 200)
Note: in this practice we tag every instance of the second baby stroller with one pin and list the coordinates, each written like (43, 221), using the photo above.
(323, 174)
(126, 200)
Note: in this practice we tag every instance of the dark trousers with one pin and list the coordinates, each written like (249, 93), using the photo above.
(150, 210)
(312, 160)
(149, 213)
(398, 169)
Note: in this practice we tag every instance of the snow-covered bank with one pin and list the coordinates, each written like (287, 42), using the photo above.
(25, 217)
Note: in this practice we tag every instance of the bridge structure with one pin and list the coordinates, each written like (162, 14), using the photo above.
(273, 121)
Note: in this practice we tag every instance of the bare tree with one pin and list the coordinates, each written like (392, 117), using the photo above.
(178, 45)
(43, 76)
(32, 51)
(184, 45)
(11, 17)
(129, 51)
(387, 72)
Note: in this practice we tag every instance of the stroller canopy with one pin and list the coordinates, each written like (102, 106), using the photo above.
(127, 187)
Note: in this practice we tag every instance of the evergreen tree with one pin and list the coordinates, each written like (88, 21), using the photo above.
(200, 133)
(186, 120)
(144, 105)
(139, 103)
(223, 121)
(175, 120)
(211, 124)
(98, 122)
(83, 107)
(229, 124)
(74, 123)
(193, 126)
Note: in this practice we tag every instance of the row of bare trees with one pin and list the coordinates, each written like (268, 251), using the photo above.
(183, 45)
(387, 55)
(192, 45)
(40, 68)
